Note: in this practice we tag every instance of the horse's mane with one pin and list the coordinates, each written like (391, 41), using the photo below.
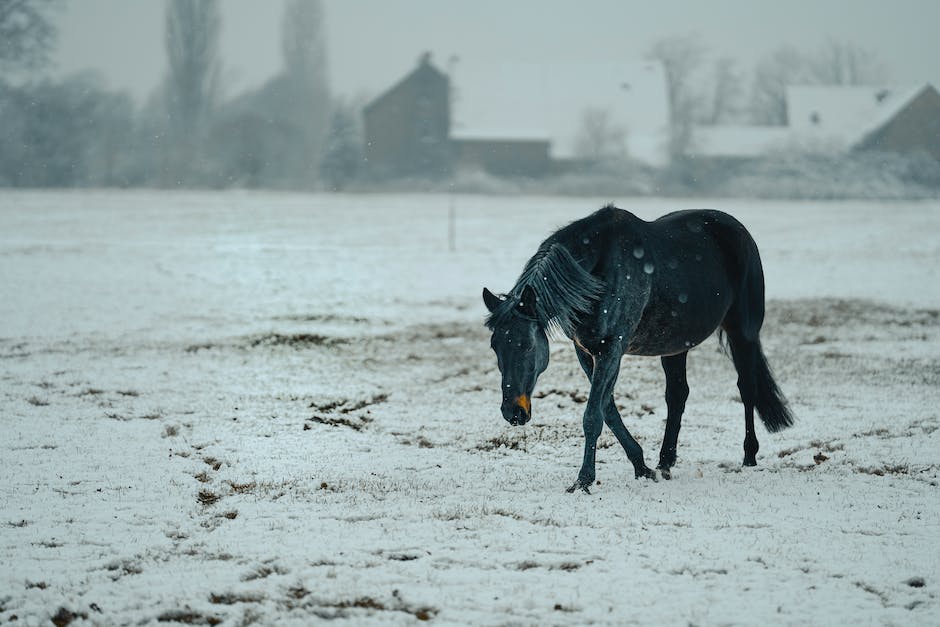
(564, 290)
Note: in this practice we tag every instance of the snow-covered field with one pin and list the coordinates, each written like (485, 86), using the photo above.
(276, 408)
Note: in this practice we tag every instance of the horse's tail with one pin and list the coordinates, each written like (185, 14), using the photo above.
(770, 403)
(743, 324)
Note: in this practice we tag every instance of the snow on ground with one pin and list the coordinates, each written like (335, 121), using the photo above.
(269, 408)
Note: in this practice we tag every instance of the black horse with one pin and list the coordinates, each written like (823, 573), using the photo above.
(615, 284)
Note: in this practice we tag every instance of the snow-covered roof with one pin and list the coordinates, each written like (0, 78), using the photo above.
(553, 98)
(842, 116)
(834, 118)
(737, 141)
(890, 109)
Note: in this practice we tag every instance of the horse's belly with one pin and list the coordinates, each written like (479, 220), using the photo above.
(670, 328)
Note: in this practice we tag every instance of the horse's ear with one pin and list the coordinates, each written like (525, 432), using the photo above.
(491, 300)
(527, 302)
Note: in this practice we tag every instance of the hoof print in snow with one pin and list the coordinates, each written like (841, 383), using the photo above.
(507, 442)
(65, 617)
(188, 617)
(294, 340)
(336, 413)
(207, 497)
(264, 571)
(212, 462)
(121, 568)
(231, 598)
(916, 582)
(343, 609)
(356, 424)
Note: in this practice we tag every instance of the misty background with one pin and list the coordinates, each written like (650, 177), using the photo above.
(233, 93)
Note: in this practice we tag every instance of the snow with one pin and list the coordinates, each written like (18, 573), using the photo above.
(282, 408)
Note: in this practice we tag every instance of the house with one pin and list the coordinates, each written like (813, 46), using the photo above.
(513, 119)
(835, 120)
(910, 123)
(502, 153)
(897, 120)
(407, 128)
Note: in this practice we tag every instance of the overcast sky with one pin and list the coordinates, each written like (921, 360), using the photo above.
(372, 43)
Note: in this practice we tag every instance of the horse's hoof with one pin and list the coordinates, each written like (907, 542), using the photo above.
(665, 472)
(749, 462)
(646, 473)
(579, 484)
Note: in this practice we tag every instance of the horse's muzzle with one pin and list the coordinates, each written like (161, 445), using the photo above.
(518, 411)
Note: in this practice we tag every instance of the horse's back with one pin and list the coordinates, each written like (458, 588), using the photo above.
(697, 258)
(714, 230)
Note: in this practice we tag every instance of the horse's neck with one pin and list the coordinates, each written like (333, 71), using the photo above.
(583, 253)
(565, 288)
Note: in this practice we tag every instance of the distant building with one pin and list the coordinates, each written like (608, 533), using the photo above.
(407, 128)
(834, 119)
(513, 119)
(502, 154)
(910, 123)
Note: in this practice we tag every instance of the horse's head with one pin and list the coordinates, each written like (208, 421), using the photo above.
(521, 348)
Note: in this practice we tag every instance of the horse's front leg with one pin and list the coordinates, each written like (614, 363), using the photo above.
(600, 409)
(613, 420)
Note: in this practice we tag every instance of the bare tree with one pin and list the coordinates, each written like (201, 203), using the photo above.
(681, 57)
(305, 66)
(845, 63)
(191, 88)
(834, 63)
(70, 132)
(342, 155)
(784, 66)
(727, 93)
(27, 33)
(599, 138)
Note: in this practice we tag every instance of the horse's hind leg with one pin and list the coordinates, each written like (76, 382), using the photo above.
(744, 352)
(677, 392)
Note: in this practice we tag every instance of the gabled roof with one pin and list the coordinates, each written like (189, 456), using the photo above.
(842, 116)
(896, 105)
(547, 99)
(424, 67)
(835, 118)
